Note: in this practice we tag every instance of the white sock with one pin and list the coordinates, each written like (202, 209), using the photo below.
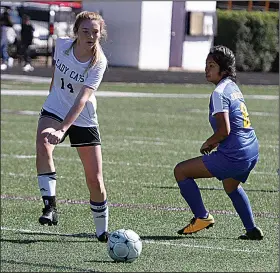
(47, 184)
(100, 214)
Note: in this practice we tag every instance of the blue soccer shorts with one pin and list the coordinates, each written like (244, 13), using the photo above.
(222, 168)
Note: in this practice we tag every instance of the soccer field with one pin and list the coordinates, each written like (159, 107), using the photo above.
(146, 130)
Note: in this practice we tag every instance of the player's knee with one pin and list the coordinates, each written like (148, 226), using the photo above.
(230, 185)
(178, 172)
(96, 182)
(43, 148)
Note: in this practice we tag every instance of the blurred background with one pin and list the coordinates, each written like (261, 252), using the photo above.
(153, 111)
(153, 35)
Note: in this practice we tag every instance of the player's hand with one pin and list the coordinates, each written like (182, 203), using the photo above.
(55, 137)
(206, 148)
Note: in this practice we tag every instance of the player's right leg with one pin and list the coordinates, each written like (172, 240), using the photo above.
(46, 170)
(185, 173)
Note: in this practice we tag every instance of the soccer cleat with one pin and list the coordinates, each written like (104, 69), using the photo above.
(103, 237)
(49, 217)
(197, 224)
(254, 234)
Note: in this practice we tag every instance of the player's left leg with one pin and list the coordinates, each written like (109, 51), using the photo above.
(185, 173)
(242, 206)
(91, 158)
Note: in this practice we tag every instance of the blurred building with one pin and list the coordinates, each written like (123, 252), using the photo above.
(164, 35)
(157, 35)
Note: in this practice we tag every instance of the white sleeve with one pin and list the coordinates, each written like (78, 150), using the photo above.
(95, 75)
(220, 103)
(56, 49)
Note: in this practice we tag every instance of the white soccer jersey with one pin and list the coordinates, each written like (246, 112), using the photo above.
(68, 80)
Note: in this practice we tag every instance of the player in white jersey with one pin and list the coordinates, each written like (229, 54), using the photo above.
(237, 149)
(70, 110)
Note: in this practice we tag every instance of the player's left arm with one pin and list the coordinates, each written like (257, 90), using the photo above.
(222, 132)
(72, 115)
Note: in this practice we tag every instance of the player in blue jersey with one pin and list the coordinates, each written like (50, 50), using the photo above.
(237, 149)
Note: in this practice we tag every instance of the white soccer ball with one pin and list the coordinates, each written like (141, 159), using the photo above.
(124, 245)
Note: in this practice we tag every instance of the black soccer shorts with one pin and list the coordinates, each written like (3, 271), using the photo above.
(78, 136)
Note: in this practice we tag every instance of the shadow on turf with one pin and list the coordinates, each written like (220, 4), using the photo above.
(75, 235)
(159, 238)
(20, 241)
(81, 235)
(26, 241)
(92, 236)
(184, 237)
(30, 241)
(102, 261)
(46, 265)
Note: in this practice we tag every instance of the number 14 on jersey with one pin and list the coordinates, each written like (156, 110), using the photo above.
(69, 86)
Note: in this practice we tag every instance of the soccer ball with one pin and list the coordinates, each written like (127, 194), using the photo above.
(124, 245)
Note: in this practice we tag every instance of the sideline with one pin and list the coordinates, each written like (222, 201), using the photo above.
(38, 79)
(118, 94)
(26, 78)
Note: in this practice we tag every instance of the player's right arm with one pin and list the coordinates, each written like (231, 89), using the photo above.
(57, 45)
(50, 89)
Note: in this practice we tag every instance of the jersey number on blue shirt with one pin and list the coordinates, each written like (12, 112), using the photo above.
(245, 114)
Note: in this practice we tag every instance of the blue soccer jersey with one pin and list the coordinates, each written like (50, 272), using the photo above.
(242, 143)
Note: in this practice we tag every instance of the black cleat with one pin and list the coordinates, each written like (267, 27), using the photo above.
(103, 237)
(49, 217)
(254, 234)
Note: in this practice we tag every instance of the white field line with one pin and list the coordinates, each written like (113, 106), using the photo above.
(126, 142)
(121, 163)
(34, 176)
(132, 94)
(37, 79)
(108, 180)
(27, 231)
(179, 140)
(62, 177)
(36, 113)
(23, 78)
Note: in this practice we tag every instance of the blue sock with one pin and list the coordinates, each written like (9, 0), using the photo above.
(242, 206)
(191, 193)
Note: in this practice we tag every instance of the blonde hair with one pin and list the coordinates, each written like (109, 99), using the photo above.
(97, 51)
